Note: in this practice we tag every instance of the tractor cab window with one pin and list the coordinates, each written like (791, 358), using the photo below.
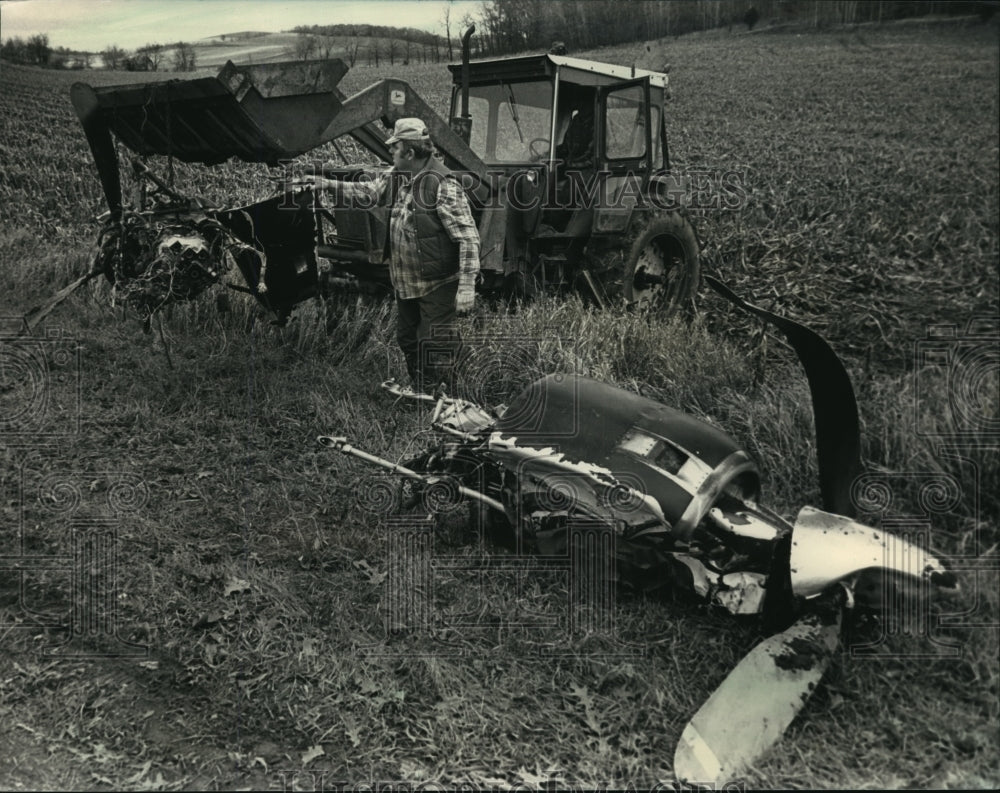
(511, 121)
(625, 117)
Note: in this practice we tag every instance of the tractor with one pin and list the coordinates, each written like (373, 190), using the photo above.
(564, 161)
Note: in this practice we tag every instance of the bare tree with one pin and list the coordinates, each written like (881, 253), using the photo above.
(447, 28)
(392, 47)
(305, 46)
(113, 56)
(325, 47)
(155, 54)
(13, 50)
(184, 57)
(353, 45)
(137, 62)
(39, 50)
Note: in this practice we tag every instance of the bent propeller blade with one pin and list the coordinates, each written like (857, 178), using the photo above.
(753, 706)
(835, 409)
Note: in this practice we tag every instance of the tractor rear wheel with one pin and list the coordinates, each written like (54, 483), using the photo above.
(661, 264)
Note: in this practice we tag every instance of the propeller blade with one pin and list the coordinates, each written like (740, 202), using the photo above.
(753, 706)
(835, 410)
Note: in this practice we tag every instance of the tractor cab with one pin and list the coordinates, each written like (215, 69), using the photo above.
(569, 133)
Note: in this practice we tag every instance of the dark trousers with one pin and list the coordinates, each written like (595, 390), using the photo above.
(428, 337)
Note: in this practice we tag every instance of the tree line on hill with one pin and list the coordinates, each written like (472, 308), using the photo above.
(376, 43)
(36, 51)
(508, 26)
(178, 57)
(415, 36)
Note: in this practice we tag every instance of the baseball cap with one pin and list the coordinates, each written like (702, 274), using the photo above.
(409, 129)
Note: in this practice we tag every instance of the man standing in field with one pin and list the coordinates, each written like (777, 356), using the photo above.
(432, 247)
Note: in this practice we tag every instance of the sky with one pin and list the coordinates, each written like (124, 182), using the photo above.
(94, 24)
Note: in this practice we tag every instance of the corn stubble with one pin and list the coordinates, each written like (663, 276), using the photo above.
(257, 571)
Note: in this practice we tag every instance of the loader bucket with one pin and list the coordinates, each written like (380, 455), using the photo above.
(279, 262)
(263, 113)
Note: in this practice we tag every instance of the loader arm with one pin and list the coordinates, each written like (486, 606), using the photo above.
(389, 100)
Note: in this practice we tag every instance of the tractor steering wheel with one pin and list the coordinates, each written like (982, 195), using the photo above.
(539, 155)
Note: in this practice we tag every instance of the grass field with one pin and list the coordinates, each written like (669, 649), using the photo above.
(254, 567)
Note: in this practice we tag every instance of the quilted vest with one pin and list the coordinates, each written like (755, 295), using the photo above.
(438, 253)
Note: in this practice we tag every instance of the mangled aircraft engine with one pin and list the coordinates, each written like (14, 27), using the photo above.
(154, 262)
(170, 247)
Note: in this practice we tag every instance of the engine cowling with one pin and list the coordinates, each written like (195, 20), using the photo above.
(681, 462)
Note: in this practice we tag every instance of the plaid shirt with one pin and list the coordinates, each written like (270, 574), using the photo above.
(454, 214)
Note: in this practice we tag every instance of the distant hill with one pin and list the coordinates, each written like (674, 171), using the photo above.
(356, 44)
(244, 47)
(374, 31)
